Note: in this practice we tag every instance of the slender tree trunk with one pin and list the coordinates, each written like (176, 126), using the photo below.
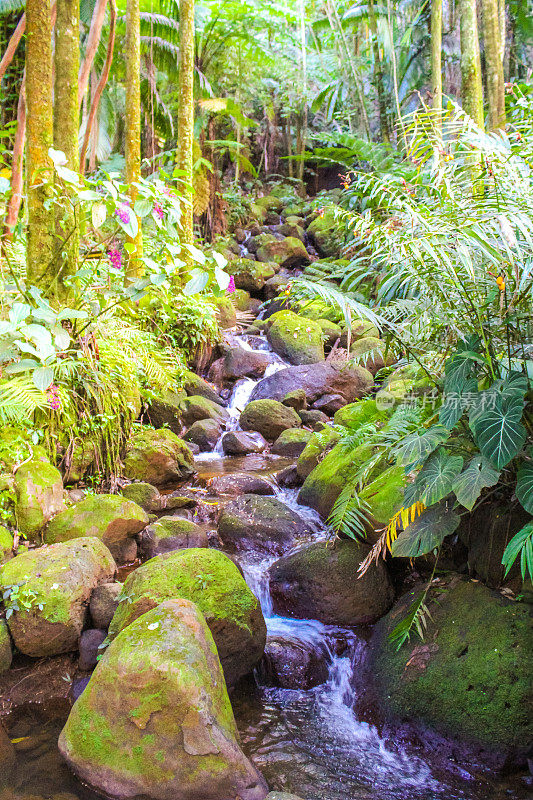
(289, 147)
(40, 128)
(303, 129)
(493, 64)
(186, 113)
(133, 125)
(93, 38)
(471, 89)
(11, 48)
(436, 57)
(378, 74)
(66, 125)
(17, 171)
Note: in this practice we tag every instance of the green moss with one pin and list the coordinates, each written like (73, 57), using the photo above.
(196, 408)
(269, 417)
(226, 312)
(319, 443)
(360, 413)
(288, 252)
(296, 338)
(6, 654)
(250, 275)
(324, 484)
(111, 518)
(384, 495)
(327, 233)
(39, 495)
(157, 456)
(144, 494)
(6, 544)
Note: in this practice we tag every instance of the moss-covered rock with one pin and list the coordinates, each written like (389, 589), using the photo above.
(261, 524)
(296, 399)
(470, 678)
(384, 496)
(291, 442)
(270, 202)
(320, 581)
(288, 252)
(39, 495)
(212, 581)
(239, 443)
(316, 448)
(194, 385)
(155, 719)
(227, 317)
(6, 544)
(196, 407)
(372, 353)
(145, 495)
(6, 653)
(158, 457)
(314, 418)
(327, 234)
(205, 433)
(354, 415)
(250, 275)
(104, 602)
(269, 418)
(292, 229)
(241, 300)
(325, 483)
(296, 339)
(109, 517)
(330, 331)
(55, 585)
(172, 533)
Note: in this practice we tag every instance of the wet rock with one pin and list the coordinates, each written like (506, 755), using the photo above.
(171, 533)
(291, 442)
(289, 477)
(383, 497)
(269, 418)
(205, 433)
(110, 517)
(226, 314)
(239, 443)
(372, 353)
(241, 483)
(158, 457)
(326, 481)
(6, 654)
(317, 446)
(314, 419)
(320, 582)
(326, 234)
(90, 649)
(329, 403)
(164, 411)
(212, 581)
(357, 414)
(470, 677)
(292, 664)
(196, 407)
(261, 524)
(275, 285)
(296, 339)
(104, 603)
(259, 240)
(155, 719)
(296, 400)
(250, 275)
(58, 582)
(145, 495)
(289, 252)
(8, 757)
(316, 380)
(330, 331)
(194, 385)
(241, 363)
(6, 545)
(38, 496)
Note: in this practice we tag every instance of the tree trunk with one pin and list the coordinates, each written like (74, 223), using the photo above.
(93, 39)
(493, 64)
(471, 89)
(184, 156)
(40, 127)
(436, 56)
(17, 171)
(303, 129)
(66, 125)
(11, 48)
(378, 74)
(133, 125)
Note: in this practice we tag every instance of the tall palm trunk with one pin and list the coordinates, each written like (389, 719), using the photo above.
(40, 128)
(493, 64)
(436, 56)
(66, 124)
(378, 74)
(184, 156)
(471, 89)
(133, 126)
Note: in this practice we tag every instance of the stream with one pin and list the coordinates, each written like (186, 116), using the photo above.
(308, 742)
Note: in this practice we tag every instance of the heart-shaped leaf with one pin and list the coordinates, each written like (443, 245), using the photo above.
(416, 447)
(427, 532)
(477, 475)
(435, 480)
(499, 432)
(524, 486)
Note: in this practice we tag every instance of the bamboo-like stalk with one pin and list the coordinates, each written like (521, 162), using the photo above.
(436, 58)
(134, 268)
(184, 155)
(93, 39)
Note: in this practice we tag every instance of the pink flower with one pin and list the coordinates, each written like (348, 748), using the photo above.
(159, 211)
(231, 285)
(53, 397)
(123, 213)
(115, 257)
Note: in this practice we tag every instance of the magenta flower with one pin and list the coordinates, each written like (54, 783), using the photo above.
(53, 397)
(231, 285)
(123, 213)
(159, 211)
(115, 257)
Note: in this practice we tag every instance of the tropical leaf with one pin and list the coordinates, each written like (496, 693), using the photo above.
(416, 447)
(478, 475)
(499, 432)
(456, 403)
(402, 519)
(524, 486)
(427, 532)
(435, 479)
(416, 617)
(520, 545)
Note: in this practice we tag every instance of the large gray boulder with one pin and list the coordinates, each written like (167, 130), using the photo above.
(269, 418)
(316, 380)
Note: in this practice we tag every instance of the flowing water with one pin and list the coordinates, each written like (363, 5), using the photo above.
(310, 743)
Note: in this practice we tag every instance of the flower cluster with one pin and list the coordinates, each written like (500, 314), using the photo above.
(53, 397)
(231, 285)
(159, 211)
(123, 213)
(115, 257)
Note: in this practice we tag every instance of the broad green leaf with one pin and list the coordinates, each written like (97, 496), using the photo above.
(436, 477)
(61, 338)
(197, 283)
(43, 377)
(456, 403)
(520, 545)
(499, 432)
(98, 214)
(524, 486)
(68, 175)
(58, 157)
(197, 254)
(71, 313)
(222, 278)
(19, 312)
(427, 532)
(220, 260)
(143, 207)
(416, 447)
(477, 475)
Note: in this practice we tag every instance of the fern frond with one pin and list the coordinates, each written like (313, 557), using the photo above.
(19, 399)
(401, 520)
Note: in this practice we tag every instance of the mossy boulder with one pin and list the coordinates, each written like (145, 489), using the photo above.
(354, 415)
(164, 411)
(330, 331)
(293, 229)
(205, 433)
(325, 483)
(470, 679)
(6, 544)
(327, 234)
(196, 407)
(172, 533)
(261, 524)
(38, 496)
(212, 581)
(146, 496)
(241, 300)
(296, 339)
(240, 443)
(55, 583)
(291, 442)
(250, 275)
(155, 719)
(104, 602)
(6, 652)
(158, 457)
(320, 581)
(372, 353)
(288, 252)
(384, 496)
(109, 517)
(194, 385)
(296, 399)
(270, 203)
(269, 418)
(318, 445)
(316, 380)
(226, 314)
